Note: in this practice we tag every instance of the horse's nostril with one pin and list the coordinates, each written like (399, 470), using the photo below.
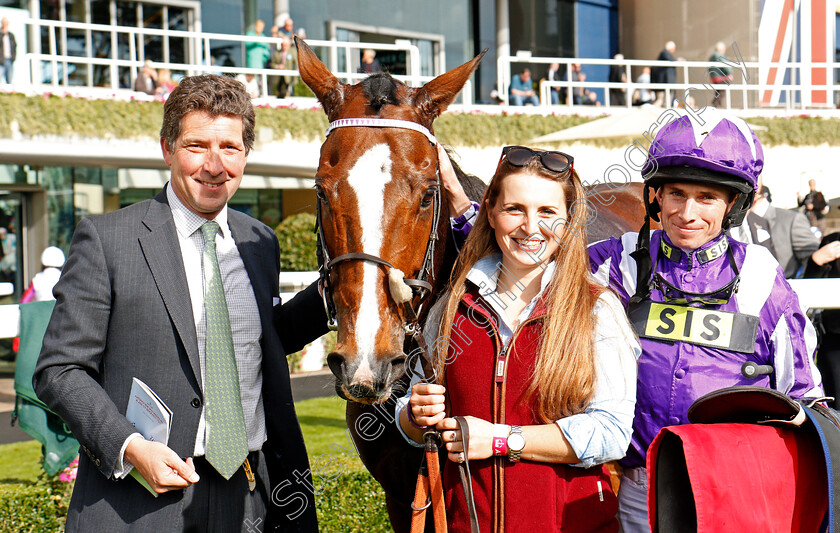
(362, 392)
(336, 362)
(398, 361)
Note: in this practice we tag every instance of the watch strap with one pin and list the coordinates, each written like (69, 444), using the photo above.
(513, 454)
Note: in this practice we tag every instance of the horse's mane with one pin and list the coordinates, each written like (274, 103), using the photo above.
(380, 89)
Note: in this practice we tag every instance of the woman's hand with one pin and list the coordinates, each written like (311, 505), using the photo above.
(481, 438)
(456, 197)
(427, 403)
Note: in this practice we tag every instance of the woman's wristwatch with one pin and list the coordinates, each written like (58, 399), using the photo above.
(515, 444)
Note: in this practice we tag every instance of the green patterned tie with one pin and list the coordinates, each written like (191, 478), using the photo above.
(227, 443)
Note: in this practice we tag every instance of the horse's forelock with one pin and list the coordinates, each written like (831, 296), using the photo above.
(380, 89)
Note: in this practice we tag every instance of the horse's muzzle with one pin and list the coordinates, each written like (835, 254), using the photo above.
(369, 383)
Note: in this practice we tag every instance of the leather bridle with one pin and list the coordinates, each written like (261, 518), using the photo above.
(429, 491)
(420, 286)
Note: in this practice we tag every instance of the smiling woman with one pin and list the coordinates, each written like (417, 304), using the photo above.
(549, 377)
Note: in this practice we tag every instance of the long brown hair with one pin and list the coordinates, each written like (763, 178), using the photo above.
(564, 375)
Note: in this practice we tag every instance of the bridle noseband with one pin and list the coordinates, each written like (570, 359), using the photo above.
(420, 286)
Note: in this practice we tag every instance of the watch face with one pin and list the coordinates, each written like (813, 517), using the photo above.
(516, 442)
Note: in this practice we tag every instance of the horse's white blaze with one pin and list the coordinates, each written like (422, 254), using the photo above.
(368, 178)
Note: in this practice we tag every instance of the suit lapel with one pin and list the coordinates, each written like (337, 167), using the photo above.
(163, 255)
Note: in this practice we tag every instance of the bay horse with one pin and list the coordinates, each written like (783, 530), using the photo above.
(381, 209)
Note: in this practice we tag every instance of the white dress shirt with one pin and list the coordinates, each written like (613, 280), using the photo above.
(244, 320)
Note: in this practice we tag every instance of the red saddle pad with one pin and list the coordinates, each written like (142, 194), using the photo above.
(736, 477)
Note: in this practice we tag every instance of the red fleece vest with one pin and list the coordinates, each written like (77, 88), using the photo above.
(528, 497)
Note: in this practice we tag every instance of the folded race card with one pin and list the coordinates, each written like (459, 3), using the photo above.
(150, 416)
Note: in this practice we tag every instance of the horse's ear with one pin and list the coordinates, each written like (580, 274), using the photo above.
(433, 98)
(328, 88)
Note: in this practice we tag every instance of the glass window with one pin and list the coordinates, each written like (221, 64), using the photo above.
(11, 245)
(58, 181)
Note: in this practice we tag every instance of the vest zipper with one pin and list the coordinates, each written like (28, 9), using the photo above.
(500, 364)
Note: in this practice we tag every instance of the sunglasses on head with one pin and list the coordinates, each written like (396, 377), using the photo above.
(519, 156)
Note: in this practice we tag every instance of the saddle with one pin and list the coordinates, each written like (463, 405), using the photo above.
(753, 459)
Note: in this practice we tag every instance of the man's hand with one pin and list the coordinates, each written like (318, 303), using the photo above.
(828, 253)
(160, 466)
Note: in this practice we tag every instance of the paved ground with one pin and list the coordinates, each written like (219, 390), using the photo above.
(304, 387)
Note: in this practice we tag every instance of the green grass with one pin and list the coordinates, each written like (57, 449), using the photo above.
(348, 499)
(325, 432)
(20, 462)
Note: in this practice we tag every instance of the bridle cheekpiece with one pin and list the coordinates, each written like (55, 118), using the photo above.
(420, 287)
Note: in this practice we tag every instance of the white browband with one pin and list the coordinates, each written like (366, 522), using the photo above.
(381, 123)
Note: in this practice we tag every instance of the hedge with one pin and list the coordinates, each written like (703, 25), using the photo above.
(297, 238)
(68, 116)
(34, 508)
(349, 503)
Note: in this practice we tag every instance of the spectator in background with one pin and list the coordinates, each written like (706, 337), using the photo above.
(522, 89)
(791, 240)
(256, 53)
(591, 98)
(554, 75)
(8, 50)
(146, 81)
(369, 64)
(284, 59)
(252, 87)
(815, 206)
(288, 28)
(8, 264)
(273, 54)
(663, 74)
(618, 75)
(41, 287)
(578, 93)
(828, 320)
(643, 95)
(165, 84)
(301, 32)
(722, 74)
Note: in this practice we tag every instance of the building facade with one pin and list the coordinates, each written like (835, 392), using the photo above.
(44, 191)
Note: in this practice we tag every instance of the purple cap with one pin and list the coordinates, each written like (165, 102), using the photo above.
(709, 140)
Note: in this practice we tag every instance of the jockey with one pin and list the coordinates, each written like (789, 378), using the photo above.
(703, 304)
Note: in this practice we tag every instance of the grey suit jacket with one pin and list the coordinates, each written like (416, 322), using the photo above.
(792, 238)
(123, 311)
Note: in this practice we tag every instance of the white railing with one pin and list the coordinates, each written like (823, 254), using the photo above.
(58, 62)
(694, 76)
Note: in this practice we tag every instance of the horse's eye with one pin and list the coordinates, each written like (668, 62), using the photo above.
(428, 197)
(319, 192)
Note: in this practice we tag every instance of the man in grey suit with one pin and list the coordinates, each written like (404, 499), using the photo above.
(793, 241)
(141, 296)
